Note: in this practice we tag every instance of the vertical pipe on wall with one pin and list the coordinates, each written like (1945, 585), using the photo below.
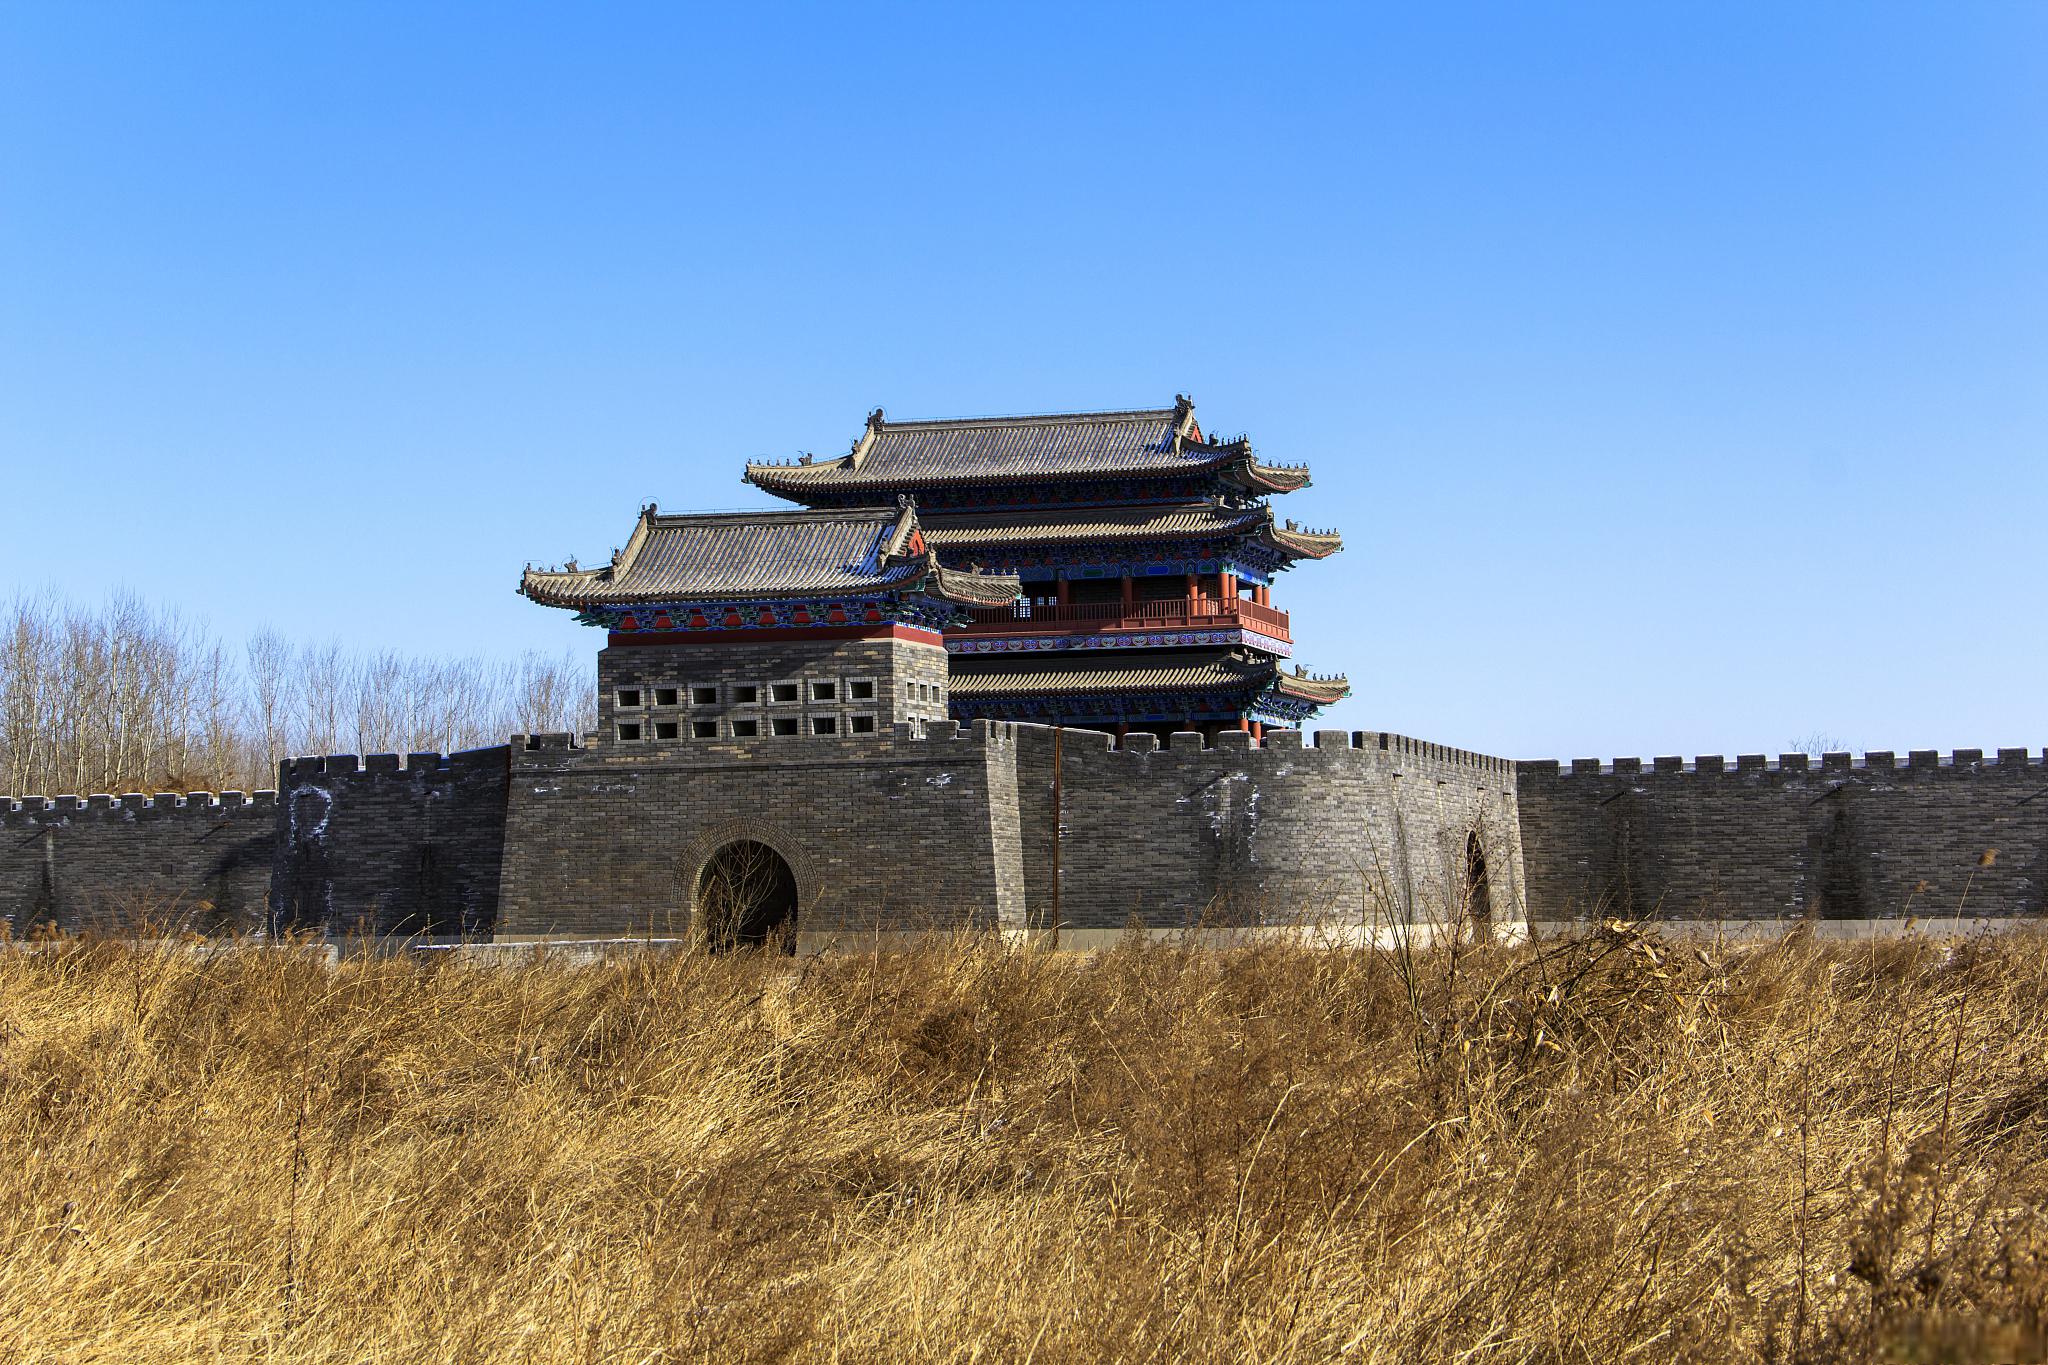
(1056, 814)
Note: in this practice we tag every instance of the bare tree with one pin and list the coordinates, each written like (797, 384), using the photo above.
(128, 698)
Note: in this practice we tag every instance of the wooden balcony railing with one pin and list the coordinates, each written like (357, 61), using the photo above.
(1175, 613)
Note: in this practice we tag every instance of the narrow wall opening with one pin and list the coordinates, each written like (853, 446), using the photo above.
(1478, 887)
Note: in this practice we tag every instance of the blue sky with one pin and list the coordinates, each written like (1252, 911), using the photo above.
(1678, 374)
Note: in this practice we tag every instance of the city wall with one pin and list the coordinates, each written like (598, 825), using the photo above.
(122, 864)
(888, 831)
(1019, 828)
(1356, 831)
(1834, 839)
(390, 845)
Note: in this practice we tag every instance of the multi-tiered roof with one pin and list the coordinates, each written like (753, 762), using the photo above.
(1145, 548)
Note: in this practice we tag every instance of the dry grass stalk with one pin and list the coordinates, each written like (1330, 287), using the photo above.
(1608, 1149)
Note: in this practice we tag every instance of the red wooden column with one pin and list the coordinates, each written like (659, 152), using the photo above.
(1258, 732)
(1244, 723)
(1123, 727)
(1060, 590)
(1130, 594)
(1194, 588)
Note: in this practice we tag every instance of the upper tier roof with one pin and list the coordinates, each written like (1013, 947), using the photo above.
(720, 556)
(1187, 521)
(1156, 442)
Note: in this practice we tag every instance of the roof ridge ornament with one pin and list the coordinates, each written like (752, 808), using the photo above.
(866, 440)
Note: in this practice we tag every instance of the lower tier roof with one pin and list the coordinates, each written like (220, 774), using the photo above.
(1223, 671)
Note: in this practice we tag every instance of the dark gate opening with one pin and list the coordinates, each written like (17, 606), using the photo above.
(1478, 886)
(746, 898)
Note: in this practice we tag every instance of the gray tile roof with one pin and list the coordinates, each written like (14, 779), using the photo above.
(1215, 672)
(724, 555)
(1184, 521)
(1195, 521)
(892, 455)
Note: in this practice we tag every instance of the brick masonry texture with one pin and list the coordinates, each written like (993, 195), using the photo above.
(1354, 828)
(117, 863)
(1883, 838)
(921, 824)
(390, 846)
(881, 831)
(956, 829)
(908, 678)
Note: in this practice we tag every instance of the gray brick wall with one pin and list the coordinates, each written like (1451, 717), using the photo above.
(882, 831)
(386, 845)
(922, 826)
(1751, 839)
(116, 863)
(906, 681)
(1356, 829)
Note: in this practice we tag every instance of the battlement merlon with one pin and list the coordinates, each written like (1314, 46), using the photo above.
(1717, 765)
(295, 772)
(37, 812)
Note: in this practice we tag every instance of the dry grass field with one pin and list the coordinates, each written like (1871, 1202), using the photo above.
(1603, 1150)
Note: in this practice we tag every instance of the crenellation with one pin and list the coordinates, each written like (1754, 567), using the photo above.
(1845, 839)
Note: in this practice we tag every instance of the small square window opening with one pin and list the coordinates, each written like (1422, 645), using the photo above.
(824, 725)
(785, 725)
(703, 729)
(745, 729)
(704, 696)
(664, 729)
(664, 696)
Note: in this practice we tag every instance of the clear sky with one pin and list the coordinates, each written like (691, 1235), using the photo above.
(1678, 374)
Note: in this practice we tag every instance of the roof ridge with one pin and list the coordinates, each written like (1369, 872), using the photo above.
(874, 512)
(1027, 418)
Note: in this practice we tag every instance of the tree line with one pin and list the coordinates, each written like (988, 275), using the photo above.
(126, 697)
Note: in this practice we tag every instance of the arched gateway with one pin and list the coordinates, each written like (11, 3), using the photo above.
(746, 898)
